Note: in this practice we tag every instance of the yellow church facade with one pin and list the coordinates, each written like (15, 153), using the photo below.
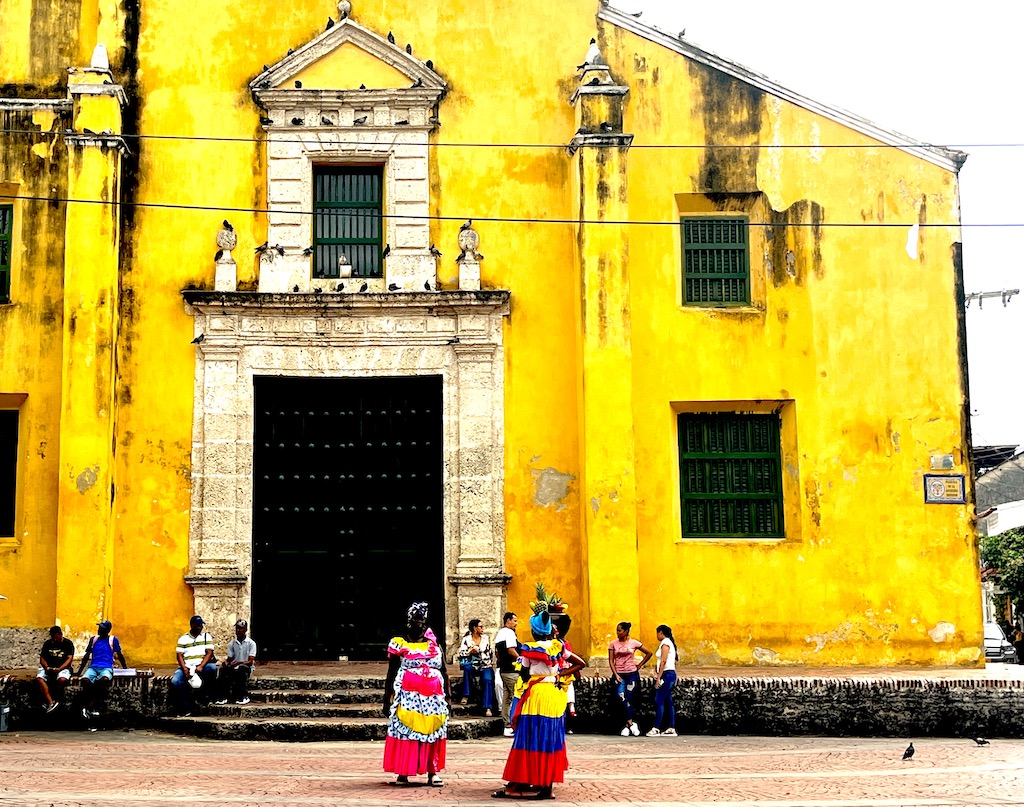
(308, 312)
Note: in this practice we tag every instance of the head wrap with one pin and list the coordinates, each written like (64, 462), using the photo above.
(540, 624)
(418, 610)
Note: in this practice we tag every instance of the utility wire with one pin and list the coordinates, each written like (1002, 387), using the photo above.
(498, 219)
(299, 129)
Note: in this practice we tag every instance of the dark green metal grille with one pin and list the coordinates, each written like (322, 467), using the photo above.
(6, 225)
(716, 266)
(730, 476)
(8, 469)
(347, 218)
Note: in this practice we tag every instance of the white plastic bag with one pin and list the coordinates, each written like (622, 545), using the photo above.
(499, 691)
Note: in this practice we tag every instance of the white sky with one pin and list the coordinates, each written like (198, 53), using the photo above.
(941, 72)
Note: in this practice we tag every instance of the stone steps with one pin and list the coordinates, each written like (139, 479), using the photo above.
(310, 709)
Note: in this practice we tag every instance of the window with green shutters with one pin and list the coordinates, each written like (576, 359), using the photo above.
(6, 226)
(730, 475)
(8, 469)
(348, 207)
(716, 262)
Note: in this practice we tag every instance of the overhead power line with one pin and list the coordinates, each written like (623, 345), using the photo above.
(297, 129)
(498, 219)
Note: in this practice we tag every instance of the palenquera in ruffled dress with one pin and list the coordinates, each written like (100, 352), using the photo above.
(418, 717)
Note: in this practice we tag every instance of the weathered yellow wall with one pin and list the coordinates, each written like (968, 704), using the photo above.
(30, 361)
(862, 338)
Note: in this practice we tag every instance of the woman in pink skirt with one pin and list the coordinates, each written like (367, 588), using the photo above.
(416, 699)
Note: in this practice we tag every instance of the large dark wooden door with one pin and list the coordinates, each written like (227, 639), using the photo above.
(347, 513)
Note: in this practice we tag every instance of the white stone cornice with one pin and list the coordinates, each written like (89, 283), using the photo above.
(284, 98)
(55, 105)
(421, 303)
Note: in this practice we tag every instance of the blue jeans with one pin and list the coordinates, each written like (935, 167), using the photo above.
(626, 689)
(182, 695)
(663, 700)
(486, 681)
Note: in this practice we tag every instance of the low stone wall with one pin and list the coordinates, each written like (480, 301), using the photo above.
(897, 707)
(131, 702)
(19, 647)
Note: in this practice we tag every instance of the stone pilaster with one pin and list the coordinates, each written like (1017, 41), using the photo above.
(85, 565)
(608, 490)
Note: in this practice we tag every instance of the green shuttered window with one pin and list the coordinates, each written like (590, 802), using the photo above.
(8, 469)
(730, 475)
(347, 206)
(6, 226)
(716, 264)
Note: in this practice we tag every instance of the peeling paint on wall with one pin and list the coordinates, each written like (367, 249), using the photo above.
(942, 631)
(85, 480)
(765, 655)
(550, 487)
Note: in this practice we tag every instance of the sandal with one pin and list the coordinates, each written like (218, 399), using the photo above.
(401, 781)
(504, 794)
(435, 781)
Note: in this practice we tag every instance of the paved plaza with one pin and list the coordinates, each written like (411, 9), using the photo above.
(152, 769)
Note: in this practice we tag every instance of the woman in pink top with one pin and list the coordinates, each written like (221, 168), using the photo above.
(626, 672)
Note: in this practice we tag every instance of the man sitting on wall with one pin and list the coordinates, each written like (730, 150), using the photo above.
(100, 673)
(196, 677)
(236, 669)
(55, 661)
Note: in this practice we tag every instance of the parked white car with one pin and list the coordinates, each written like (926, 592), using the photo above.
(997, 648)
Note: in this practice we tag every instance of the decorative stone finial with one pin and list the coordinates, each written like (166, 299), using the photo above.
(344, 8)
(225, 270)
(99, 60)
(469, 243)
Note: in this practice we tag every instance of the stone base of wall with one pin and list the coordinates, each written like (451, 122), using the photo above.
(817, 706)
(907, 708)
(19, 647)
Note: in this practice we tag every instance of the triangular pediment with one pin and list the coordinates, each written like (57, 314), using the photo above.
(346, 57)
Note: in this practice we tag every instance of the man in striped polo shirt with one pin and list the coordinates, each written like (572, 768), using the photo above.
(195, 657)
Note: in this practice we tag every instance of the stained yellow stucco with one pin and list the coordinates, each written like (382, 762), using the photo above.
(853, 338)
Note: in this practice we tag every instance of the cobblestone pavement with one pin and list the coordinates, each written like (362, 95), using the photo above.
(151, 769)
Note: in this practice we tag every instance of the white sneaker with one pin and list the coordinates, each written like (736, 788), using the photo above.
(653, 733)
(509, 733)
(220, 702)
(634, 729)
(242, 702)
(624, 732)
(669, 733)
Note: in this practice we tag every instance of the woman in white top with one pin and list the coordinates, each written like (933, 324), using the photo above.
(475, 658)
(666, 680)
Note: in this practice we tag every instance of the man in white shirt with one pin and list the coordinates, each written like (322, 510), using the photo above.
(237, 667)
(506, 649)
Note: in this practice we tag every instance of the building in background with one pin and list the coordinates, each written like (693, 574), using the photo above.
(711, 371)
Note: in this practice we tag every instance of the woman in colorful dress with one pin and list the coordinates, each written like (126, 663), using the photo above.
(416, 700)
(537, 759)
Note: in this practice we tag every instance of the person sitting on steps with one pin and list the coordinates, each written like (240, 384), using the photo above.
(237, 667)
(99, 674)
(55, 661)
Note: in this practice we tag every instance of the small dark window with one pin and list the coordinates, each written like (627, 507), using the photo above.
(716, 265)
(8, 469)
(348, 208)
(6, 225)
(730, 475)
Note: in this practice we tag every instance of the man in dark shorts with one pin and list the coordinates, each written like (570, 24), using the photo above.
(55, 661)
